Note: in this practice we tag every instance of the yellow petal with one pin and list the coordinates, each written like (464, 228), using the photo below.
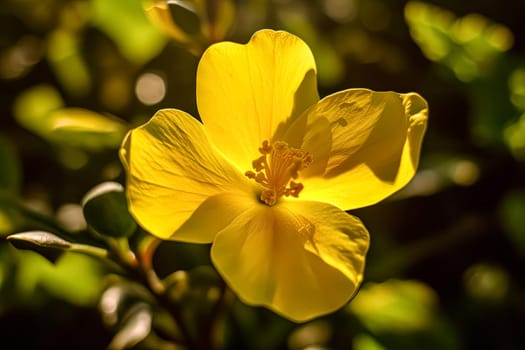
(244, 92)
(365, 145)
(213, 215)
(300, 259)
(172, 169)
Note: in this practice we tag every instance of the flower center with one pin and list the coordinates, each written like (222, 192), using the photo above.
(276, 169)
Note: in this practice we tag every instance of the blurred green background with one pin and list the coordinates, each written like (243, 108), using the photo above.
(446, 266)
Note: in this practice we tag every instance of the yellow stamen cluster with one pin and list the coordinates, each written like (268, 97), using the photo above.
(275, 169)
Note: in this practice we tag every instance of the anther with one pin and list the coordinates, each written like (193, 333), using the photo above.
(275, 169)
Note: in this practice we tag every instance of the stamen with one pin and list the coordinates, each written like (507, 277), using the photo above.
(275, 169)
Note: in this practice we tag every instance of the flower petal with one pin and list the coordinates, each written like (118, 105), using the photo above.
(300, 259)
(244, 92)
(172, 169)
(213, 215)
(365, 145)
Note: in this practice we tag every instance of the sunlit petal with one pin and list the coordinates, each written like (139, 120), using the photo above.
(244, 92)
(301, 259)
(365, 145)
(172, 169)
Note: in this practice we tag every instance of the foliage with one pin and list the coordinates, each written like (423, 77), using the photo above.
(444, 269)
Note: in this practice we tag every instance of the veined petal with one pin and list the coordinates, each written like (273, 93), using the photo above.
(245, 92)
(172, 169)
(300, 259)
(365, 145)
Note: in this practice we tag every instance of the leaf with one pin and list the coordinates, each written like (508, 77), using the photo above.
(404, 311)
(184, 14)
(106, 211)
(38, 238)
(30, 279)
(125, 22)
(193, 24)
(395, 306)
(467, 45)
(75, 278)
(40, 110)
(85, 129)
(33, 105)
(64, 54)
(51, 246)
(47, 244)
(175, 19)
(136, 327)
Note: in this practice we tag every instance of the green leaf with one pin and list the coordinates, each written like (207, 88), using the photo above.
(47, 244)
(51, 246)
(85, 129)
(106, 210)
(40, 110)
(33, 105)
(76, 278)
(363, 341)
(64, 54)
(29, 279)
(125, 22)
(403, 314)
(395, 306)
(468, 45)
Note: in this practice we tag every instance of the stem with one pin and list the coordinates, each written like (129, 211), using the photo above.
(140, 267)
(143, 270)
(96, 252)
(145, 257)
(205, 340)
(217, 311)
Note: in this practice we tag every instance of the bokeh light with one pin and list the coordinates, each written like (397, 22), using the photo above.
(150, 88)
(340, 10)
(487, 282)
(70, 216)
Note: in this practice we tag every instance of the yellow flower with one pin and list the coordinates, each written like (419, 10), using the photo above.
(268, 173)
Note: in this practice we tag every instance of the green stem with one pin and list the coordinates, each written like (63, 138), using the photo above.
(97, 252)
(143, 271)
